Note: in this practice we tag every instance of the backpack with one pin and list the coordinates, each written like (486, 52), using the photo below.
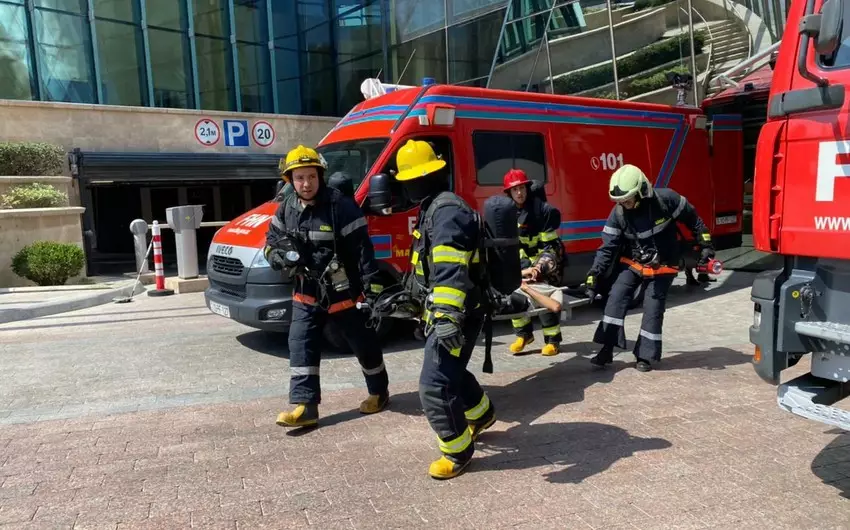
(498, 251)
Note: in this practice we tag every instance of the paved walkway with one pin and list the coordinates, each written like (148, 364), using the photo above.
(698, 443)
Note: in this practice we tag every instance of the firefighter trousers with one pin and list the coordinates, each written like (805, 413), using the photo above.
(305, 350)
(550, 322)
(611, 332)
(451, 396)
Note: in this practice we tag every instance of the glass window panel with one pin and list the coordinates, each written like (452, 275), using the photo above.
(71, 6)
(171, 70)
(288, 75)
(414, 18)
(460, 10)
(254, 78)
(15, 82)
(250, 18)
(352, 74)
(211, 18)
(116, 9)
(64, 46)
(471, 46)
(319, 96)
(121, 63)
(358, 30)
(215, 81)
(428, 61)
(166, 13)
(284, 23)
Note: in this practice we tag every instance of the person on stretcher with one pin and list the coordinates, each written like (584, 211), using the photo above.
(539, 290)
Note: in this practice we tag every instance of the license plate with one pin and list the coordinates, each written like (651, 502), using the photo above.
(220, 309)
(727, 220)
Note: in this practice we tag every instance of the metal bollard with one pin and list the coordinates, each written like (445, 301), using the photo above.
(139, 228)
(184, 221)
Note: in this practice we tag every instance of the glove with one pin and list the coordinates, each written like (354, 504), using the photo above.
(276, 259)
(590, 284)
(448, 330)
(706, 254)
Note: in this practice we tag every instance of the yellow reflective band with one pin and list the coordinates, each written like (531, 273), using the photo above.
(478, 410)
(377, 288)
(520, 322)
(706, 237)
(456, 445)
(447, 254)
(551, 332)
(419, 269)
(427, 316)
(416, 234)
(455, 352)
(414, 257)
(530, 241)
(548, 236)
(449, 296)
(476, 258)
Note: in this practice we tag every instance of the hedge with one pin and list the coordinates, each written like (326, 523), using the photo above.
(645, 59)
(654, 82)
(31, 159)
(49, 262)
(33, 196)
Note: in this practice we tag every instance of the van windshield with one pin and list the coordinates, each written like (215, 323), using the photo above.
(354, 157)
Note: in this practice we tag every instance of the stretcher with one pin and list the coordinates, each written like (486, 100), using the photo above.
(573, 298)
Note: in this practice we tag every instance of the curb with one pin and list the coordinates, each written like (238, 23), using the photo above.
(63, 306)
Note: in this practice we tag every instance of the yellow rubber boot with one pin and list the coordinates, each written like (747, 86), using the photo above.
(444, 468)
(475, 430)
(301, 416)
(549, 350)
(374, 403)
(520, 344)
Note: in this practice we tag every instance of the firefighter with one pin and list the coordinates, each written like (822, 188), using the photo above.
(644, 222)
(334, 267)
(447, 269)
(538, 234)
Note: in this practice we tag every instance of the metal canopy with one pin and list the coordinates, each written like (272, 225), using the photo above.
(168, 167)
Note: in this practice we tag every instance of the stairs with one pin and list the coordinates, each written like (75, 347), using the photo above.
(729, 46)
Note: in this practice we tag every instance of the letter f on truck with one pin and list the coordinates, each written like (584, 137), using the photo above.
(829, 168)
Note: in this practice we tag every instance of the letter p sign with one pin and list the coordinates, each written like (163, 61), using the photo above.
(236, 133)
(829, 168)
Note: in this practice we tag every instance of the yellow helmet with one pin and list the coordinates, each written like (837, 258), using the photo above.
(300, 157)
(416, 159)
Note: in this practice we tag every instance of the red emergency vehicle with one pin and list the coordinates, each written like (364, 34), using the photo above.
(801, 195)
(571, 144)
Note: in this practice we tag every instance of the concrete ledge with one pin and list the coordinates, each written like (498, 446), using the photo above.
(63, 305)
(42, 212)
(189, 285)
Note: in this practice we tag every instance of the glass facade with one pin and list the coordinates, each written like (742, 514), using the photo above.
(276, 56)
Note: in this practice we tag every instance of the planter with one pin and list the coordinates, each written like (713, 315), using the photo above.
(62, 184)
(19, 228)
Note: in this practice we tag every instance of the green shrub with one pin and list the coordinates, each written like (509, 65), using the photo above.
(33, 196)
(48, 262)
(31, 159)
(645, 59)
(654, 81)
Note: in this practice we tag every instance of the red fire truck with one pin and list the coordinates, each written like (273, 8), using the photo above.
(801, 196)
(571, 144)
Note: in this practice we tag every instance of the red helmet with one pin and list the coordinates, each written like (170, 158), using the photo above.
(515, 177)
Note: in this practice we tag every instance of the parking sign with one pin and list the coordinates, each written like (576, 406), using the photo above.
(236, 133)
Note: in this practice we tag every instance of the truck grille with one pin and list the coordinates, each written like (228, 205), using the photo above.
(229, 266)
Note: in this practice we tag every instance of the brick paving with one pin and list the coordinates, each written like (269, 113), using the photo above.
(698, 443)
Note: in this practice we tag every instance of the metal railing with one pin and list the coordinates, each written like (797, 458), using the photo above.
(724, 80)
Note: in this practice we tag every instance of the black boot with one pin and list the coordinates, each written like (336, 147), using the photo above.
(643, 366)
(605, 356)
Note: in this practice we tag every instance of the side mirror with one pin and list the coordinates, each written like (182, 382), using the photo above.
(380, 196)
(279, 187)
(832, 18)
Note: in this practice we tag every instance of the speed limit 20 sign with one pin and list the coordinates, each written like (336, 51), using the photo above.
(263, 133)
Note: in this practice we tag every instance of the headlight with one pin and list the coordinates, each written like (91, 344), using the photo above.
(757, 317)
(260, 261)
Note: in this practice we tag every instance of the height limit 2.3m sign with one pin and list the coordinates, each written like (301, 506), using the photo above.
(236, 133)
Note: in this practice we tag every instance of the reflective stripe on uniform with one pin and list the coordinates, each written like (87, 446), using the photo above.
(680, 207)
(520, 322)
(277, 223)
(650, 336)
(352, 226)
(548, 236)
(447, 254)
(305, 370)
(456, 445)
(376, 288)
(610, 230)
(448, 296)
(612, 320)
(455, 352)
(552, 331)
(530, 241)
(373, 371)
(319, 235)
(478, 410)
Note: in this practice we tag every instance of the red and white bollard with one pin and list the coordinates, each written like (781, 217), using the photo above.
(157, 263)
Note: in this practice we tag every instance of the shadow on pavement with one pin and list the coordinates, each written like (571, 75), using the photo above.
(832, 465)
(91, 322)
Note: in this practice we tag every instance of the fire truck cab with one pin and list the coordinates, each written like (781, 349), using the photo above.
(569, 144)
(801, 195)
